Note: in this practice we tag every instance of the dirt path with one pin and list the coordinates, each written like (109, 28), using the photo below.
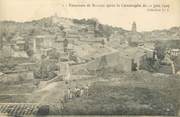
(54, 92)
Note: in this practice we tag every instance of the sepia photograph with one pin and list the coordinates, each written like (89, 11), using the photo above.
(89, 58)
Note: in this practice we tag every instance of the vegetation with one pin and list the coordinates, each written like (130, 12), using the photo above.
(160, 49)
(45, 70)
(137, 94)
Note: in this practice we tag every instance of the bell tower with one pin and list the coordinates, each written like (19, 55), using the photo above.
(134, 27)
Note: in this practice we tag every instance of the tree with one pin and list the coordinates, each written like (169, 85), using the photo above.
(160, 50)
(65, 44)
(45, 70)
(103, 42)
(162, 54)
(27, 47)
(102, 66)
(61, 28)
(32, 32)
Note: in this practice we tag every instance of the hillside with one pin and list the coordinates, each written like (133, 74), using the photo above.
(80, 66)
(55, 25)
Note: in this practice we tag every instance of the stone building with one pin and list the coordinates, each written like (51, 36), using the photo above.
(122, 61)
(42, 44)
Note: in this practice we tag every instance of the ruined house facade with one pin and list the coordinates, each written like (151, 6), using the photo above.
(118, 61)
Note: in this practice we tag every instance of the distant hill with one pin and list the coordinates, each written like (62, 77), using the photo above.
(55, 25)
(167, 34)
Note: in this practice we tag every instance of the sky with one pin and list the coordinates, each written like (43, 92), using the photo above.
(27, 10)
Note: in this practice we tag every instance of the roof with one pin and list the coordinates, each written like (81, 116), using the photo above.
(18, 38)
(1, 73)
(40, 36)
(22, 54)
(46, 49)
(60, 39)
(44, 37)
(177, 50)
(20, 42)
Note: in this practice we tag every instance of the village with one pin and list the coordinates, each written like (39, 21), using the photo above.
(63, 66)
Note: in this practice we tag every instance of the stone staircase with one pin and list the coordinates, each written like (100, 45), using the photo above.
(19, 109)
(27, 109)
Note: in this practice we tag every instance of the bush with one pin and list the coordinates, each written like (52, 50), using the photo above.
(43, 110)
(45, 71)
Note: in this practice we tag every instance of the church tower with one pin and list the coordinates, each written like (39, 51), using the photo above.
(55, 18)
(134, 28)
